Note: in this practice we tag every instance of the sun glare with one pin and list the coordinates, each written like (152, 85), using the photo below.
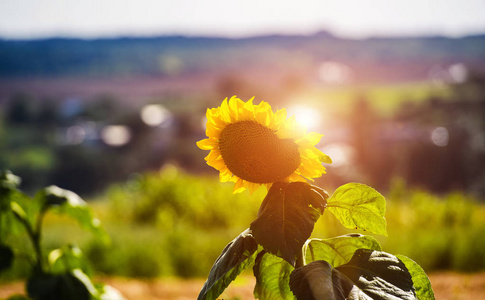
(306, 116)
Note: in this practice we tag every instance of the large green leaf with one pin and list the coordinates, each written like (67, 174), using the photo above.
(359, 206)
(421, 282)
(66, 202)
(339, 250)
(13, 218)
(272, 277)
(235, 257)
(368, 275)
(287, 217)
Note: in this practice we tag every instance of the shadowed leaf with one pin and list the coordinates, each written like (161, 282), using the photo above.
(357, 205)
(272, 277)
(235, 257)
(368, 275)
(287, 217)
(339, 250)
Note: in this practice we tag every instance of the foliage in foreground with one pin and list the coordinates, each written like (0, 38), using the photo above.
(288, 265)
(63, 273)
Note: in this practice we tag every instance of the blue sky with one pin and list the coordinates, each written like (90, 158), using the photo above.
(349, 18)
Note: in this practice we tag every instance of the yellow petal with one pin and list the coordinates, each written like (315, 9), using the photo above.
(213, 132)
(215, 154)
(280, 117)
(313, 138)
(225, 175)
(239, 186)
(247, 111)
(252, 187)
(208, 144)
(224, 111)
(325, 158)
(218, 164)
(286, 130)
(261, 113)
(215, 120)
(233, 109)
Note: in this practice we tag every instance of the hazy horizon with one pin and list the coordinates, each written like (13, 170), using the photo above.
(242, 37)
(38, 19)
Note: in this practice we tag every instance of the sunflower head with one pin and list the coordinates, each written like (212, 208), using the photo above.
(251, 146)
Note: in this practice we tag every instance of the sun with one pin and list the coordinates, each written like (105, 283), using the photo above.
(251, 146)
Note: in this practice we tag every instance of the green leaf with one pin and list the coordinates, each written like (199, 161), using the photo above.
(339, 250)
(66, 202)
(235, 257)
(421, 282)
(287, 217)
(9, 224)
(18, 211)
(272, 277)
(8, 188)
(74, 285)
(67, 259)
(23, 209)
(6, 257)
(357, 205)
(369, 275)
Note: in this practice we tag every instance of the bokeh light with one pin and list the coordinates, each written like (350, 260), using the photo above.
(75, 135)
(116, 135)
(458, 72)
(340, 153)
(332, 72)
(440, 136)
(154, 114)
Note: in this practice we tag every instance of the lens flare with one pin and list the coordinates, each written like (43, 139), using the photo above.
(306, 116)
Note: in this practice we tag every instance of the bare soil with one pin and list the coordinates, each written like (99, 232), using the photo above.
(446, 285)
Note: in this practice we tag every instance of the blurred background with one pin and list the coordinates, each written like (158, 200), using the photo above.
(108, 99)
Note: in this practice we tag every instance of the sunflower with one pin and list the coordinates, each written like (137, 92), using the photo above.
(251, 146)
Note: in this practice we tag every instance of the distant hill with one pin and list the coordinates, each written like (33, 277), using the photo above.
(373, 59)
